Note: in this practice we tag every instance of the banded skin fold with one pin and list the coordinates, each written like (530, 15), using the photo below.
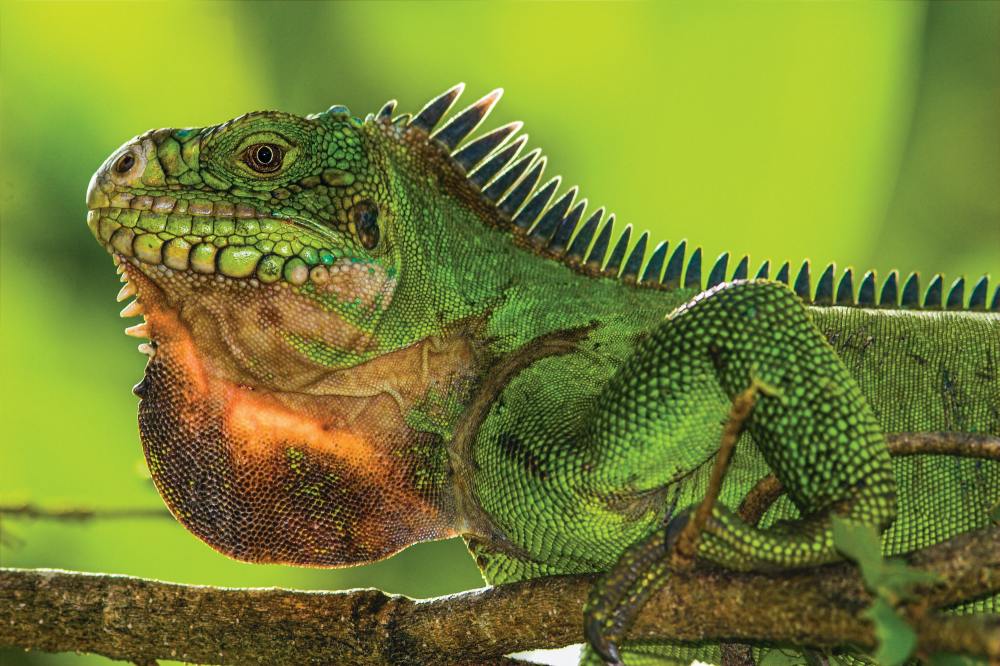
(363, 334)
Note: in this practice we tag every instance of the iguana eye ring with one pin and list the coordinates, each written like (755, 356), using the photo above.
(264, 157)
(365, 217)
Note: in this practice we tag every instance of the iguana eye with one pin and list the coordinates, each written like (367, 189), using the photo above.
(365, 218)
(263, 157)
(124, 163)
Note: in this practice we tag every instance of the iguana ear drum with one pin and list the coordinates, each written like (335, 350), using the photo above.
(365, 218)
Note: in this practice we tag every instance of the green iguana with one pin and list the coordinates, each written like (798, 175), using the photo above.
(365, 334)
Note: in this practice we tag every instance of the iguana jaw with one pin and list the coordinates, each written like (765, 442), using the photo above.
(214, 238)
(283, 322)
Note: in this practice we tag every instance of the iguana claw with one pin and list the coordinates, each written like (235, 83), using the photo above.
(605, 649)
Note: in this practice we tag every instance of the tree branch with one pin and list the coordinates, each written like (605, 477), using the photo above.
(960, 444)
(143, 620)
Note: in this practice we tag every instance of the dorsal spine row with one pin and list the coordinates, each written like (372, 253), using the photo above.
(552, 225)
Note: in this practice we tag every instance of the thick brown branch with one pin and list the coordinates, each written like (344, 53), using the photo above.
(143, 620)
(962, 444)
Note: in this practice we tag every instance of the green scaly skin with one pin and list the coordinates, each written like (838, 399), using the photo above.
(355, 348)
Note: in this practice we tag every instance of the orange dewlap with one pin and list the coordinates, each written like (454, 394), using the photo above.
(259, 423)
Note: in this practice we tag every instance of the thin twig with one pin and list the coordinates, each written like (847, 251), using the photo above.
(79, 514)
(686, 549)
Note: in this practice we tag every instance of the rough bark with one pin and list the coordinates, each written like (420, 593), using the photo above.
(144, 620)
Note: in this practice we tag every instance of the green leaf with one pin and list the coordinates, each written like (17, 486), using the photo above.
(897, 580)
(861, 543)
(891, 580)
(896, 638)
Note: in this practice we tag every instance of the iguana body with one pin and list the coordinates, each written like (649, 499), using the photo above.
(366, 337)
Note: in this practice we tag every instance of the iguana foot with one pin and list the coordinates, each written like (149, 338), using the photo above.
(620, 594)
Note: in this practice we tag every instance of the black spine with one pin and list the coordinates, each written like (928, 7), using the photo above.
(582, 240)
(824, 288)
(635, 257)
(546, 226)
(845, 288)
(782, 275)
(866, 293)
(802, 283)
(435, 109)
(672, 276)
(935, 291)
(503, 182)
(889, 298)
(742, 269)
(465, 122)
(911, 292)
(496, 163)
(384, 114)
(692, 276)
(618, 253)
(476, 151)
(956, 296)
(977, 300)
(521, 191)
(536, 204)
(566, 228)
(718, 273)
(595, 260)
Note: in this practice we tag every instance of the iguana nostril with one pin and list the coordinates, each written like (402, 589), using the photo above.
(124, 163)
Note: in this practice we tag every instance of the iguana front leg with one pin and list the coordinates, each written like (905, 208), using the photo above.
(665, 410)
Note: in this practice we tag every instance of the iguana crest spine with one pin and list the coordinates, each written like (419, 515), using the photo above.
(550, 225)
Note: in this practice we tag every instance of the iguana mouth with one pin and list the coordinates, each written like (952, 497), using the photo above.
(217, 239)
(133, 309)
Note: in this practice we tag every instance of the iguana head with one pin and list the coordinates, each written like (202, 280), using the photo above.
(288, 211)
(264, 254)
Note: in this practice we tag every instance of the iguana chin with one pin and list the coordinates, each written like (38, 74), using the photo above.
(369, 333)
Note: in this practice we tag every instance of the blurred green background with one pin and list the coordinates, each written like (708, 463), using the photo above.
(866, 134)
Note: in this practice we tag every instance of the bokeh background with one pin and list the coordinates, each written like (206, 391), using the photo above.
(866, 134)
